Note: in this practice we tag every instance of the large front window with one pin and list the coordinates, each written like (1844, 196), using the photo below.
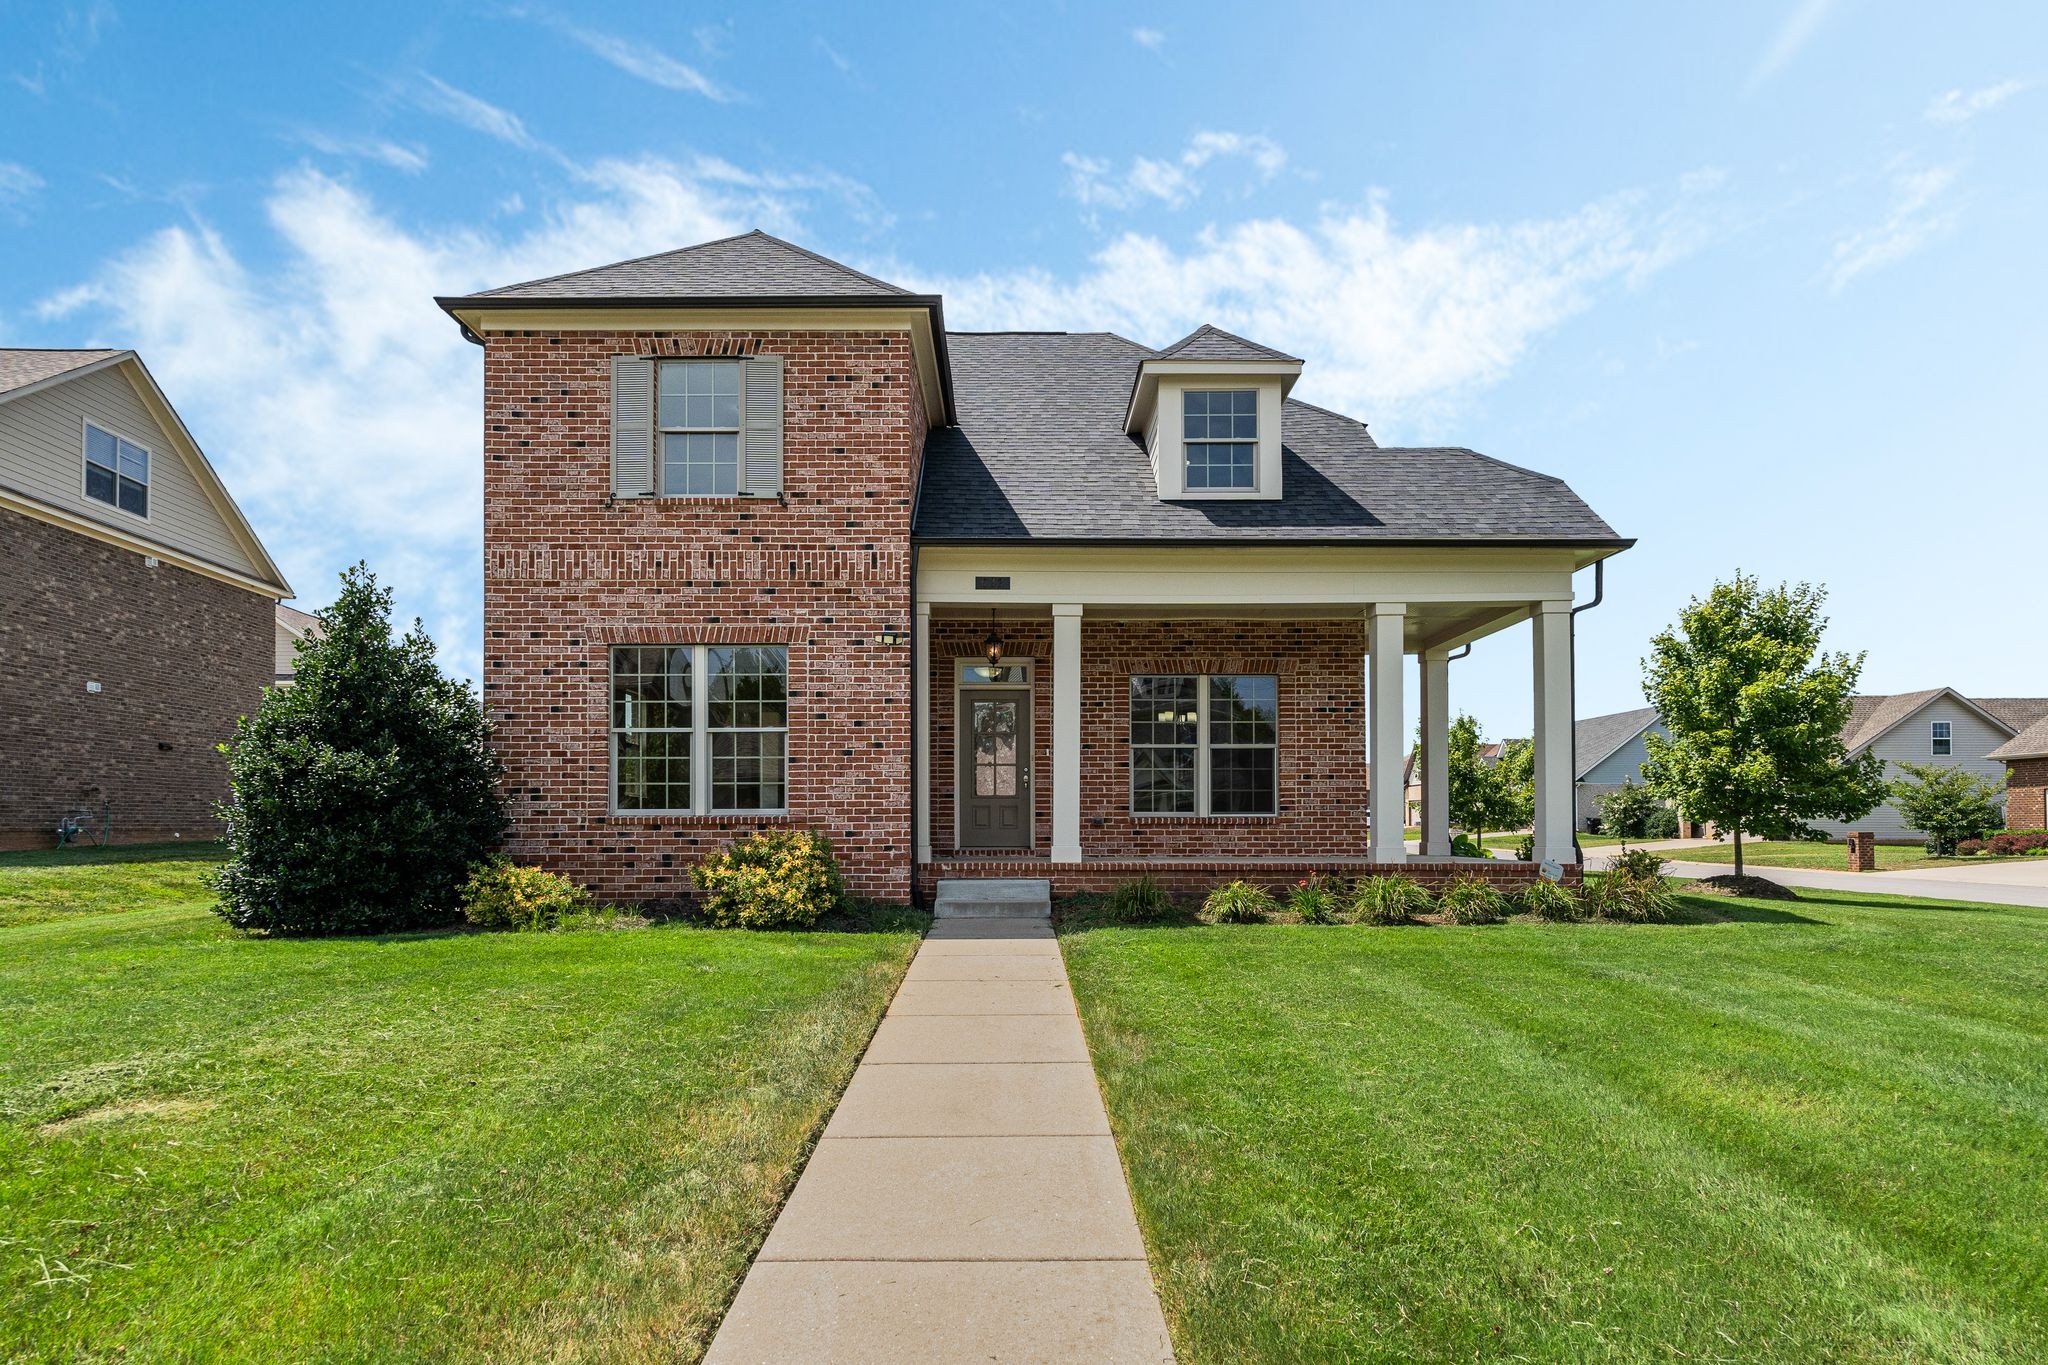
(1220, 437)
(700, 729)
(699, 406)
(1205, 744)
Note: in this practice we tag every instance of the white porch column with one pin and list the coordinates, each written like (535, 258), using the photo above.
(1387, 749)
(1066, 733)
(1550, 628)
(921, 704)
(1436, 753)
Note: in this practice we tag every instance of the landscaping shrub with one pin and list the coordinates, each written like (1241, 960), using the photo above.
(2012, 843)
(500, 894)
(1970, 848)
(1465, 846)
(1317, 899)
(1661, 823)
(1625, 810)
(1947, 804)
(1526, 849)
(1550, 900)
(361, 796)
(783, 879)
(1138, 901)
(1391, 899)
(1472, 899)
(1635, 889)
(1238, 903)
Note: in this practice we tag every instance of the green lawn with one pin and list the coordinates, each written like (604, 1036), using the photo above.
(1804, 853)
(1797, 1132)
(1510, 841)
(449, 1146)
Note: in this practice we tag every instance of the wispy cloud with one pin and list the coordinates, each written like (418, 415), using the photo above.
(436, 96)
(411, 159)
(19, 186)
(1960, 106)
(639, 58)
(1151, 39)
(1793, 35)
(1172, 182)
(1918, 215)
(833, 55)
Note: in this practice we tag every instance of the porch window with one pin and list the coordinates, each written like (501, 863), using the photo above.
(1220, 435)
(1205, 744)
(700, 730)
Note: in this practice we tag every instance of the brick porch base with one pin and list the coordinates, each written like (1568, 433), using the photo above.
(1200, 876)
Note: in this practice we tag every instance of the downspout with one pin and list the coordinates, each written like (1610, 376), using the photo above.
(916, 891)
(1599, 592)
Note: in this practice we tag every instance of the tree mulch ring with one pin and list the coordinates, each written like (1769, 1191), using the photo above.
(1756, 888)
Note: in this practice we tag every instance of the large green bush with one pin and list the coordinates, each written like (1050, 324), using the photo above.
(500, 894)
(361, 795)
(784, 879)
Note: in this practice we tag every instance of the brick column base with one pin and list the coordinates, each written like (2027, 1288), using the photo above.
(1863, 852)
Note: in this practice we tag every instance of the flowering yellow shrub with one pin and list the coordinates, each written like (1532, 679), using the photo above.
(780, 880)
(500, 894)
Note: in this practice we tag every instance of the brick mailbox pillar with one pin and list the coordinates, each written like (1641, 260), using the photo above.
(1863, 852)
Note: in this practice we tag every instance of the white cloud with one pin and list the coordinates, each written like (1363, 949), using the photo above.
(833, 55)
(412, 159)
(1097, 184)
(436, 96)
(650, 64)
(18, 185)
(1792, 36)
(1916, 217)
(1960, 106)
(1396, 323)
(1151, 39)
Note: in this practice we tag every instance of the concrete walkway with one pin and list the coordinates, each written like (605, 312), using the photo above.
(966, 1201)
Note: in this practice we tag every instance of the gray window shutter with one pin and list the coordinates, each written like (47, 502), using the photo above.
(632, 426)
(761, 441)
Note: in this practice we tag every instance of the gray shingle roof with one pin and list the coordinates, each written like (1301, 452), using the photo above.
(2021, 713)
(1213, 343)
(2031, 742)
(21, 368)
(1599, 736)
(1040, 453)
(752, 265)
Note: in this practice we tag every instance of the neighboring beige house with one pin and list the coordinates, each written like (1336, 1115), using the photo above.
(293, 626)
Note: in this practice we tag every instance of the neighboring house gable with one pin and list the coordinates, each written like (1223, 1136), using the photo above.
(293, 627)
(1609, 750)
(1901, 728)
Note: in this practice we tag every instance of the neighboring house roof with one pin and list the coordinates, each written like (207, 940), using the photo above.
(299, 623)
(2019, 713)
(1040, 454)
(751, 266)
(2031, 742)
(1598, 737)
(57, 367)
(1874, 716)
(293, 626)
(23, 368)
(1213, 343)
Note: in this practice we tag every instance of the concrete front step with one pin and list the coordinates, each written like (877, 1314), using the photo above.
(994, 898)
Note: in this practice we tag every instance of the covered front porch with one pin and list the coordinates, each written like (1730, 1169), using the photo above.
(1087, 715)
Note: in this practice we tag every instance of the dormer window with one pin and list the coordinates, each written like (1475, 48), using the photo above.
(1220, 437)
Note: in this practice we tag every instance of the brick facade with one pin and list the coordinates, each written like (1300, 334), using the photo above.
(2026, 794)
(178, 657)
(1322, 768)
(569, 572)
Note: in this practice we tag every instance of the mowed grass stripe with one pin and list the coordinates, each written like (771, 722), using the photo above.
(1428, 1143)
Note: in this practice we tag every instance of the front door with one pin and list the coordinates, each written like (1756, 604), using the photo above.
(995, 767)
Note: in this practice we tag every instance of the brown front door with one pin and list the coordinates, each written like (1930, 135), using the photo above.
(995, 767)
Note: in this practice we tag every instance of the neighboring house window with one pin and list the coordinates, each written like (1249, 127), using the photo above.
(1940, 738)
(116, 471)
(1205, 745)
(699, 420)
(666, 733)
(1220, 435)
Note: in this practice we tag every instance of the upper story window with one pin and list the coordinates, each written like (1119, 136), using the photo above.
(1220, 437)
(116, 471)
(1940, 738)
(699, 423)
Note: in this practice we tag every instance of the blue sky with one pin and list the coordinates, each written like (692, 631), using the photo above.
(1763, 281)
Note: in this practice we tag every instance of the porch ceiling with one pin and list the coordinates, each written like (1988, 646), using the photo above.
(1430, 625)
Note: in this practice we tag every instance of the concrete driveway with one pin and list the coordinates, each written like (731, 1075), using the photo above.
(2019, 881)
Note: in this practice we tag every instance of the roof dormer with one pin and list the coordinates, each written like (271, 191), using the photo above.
(1208, 409)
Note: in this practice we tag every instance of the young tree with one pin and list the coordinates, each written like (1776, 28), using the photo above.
(362, 794)
(1755, 714)
(1489, 796)
(1948, 805)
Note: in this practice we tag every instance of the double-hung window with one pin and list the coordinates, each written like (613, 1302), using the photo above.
(1941, 740)
(700, 729)
(116, 471)
(1220, 437)
(698, 411)
(1205, 744)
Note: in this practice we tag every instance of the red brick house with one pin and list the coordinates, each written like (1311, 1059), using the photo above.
(2025, 757)
(136, 606)
(766, 545)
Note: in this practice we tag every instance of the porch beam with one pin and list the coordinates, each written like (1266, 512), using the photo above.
(1436, 753)
(1388, 796)
(1550, 631)
(921, 700)
(1066, 732)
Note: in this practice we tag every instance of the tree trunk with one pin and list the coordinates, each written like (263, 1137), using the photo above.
(1738, 850)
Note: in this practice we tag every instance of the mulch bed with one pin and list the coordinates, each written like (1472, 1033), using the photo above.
(1756, 888)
